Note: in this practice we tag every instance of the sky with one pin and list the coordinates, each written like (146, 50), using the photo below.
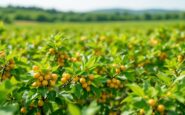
(88, 5)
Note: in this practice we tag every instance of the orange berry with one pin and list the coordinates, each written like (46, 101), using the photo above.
(89, 82)
(47, 77)
(34, 84)
(82, 80)
(40, 103)
(88, 89)
(52, 82)
(152, 102)
(66, 75)
(35, 68)
(118, 82)
(44, 82)
(122, 67)
(38, 83)
(91, 77)
(52, 51)
(54, 76)
(64, 79)
(41, 78)
(161, 108)
(75, 79)
(141, 111)
(108, 81)
(114, 80)
(84, 85)
(36, 75)
(117, 70)
(23, 110)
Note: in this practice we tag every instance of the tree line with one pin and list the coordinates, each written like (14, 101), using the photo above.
(12, 13)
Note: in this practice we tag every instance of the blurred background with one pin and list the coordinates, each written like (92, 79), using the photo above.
(90, 10)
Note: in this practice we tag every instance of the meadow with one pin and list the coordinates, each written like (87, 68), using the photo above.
(97, 68)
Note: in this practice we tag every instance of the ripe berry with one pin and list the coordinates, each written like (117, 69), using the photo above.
(40, 103)
(84, 85)
(161, 108)
(66, 75)
(47, 77)
(52, 82)
(122, 67)
(54, 76)
(152, 102)
(52, 51)
(44, 82)
(117, 70)
(88, 89)
(35, 68)
(109, 81)
(82, 80)
(75, 79)
(64, 79)
(36, 75)
(41, 78)
(23, 110)
(91, 77)
(114, 80)
(34, 84)
(38, 83)
(141, 111)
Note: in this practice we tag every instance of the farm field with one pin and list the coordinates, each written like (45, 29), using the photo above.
(104, 68)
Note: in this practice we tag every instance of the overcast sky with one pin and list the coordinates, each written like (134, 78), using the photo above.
(86, 5)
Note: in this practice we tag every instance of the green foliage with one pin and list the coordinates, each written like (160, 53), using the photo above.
(100, 69)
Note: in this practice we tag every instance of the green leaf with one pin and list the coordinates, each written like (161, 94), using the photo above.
(73, 110)
(164, 78)
(136, 89)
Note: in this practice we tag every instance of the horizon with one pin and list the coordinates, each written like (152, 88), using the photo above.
(91, 5)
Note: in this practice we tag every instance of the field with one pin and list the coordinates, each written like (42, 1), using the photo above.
(105, 68)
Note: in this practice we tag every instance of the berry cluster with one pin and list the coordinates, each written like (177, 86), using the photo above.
(44, 79)
(114, 83)
(61, 56)
(153, 103)
(7, 69)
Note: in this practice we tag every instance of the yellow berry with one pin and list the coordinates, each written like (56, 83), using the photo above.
(141, 111)
(82, 80)
(54, 76)
(23, 110)
(40, 103)
(36, 75)
(38, 83)
(64, 79)
(44, 82)
(34, 84)
(88, 89)
(41, 78)
(117, 70)
(152, 102)
(122, 67)
(161, 108)
(75, 79)
(91, 77)
(35, 68)
(52, 82)
(47, 77)
(84, 85)
(66, 75)
(52, 51)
